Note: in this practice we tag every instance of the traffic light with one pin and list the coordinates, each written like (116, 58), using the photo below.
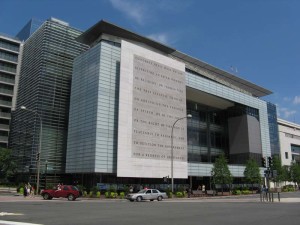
(263, 162)
(270, 161)
(37, 156)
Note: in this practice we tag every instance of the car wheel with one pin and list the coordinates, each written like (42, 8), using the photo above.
(131, 200)
(46, 196)
(71, 197)
(159, 198)
(151, 200)
(139, 198)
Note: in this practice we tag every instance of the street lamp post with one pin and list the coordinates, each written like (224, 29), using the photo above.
(212, 180)
(46, 170)
(172, 177)
(39, 149)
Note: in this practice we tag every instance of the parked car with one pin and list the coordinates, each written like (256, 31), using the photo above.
(65, 191)
(147, 194)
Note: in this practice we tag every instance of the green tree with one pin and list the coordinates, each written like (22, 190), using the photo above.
(252, 173)
(7, 165)
(221, 172)
(286, 173)
(280, 171)
(295, 172)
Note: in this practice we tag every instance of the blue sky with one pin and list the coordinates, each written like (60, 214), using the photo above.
(257, 40)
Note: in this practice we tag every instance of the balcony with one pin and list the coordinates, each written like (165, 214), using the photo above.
(3, 139)
(7, 80)
(6, 91)
(5, 103)
(4, 127)
(5, 115)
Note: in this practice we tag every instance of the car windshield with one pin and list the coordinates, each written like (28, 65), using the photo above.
(74, 188)
(142, 191)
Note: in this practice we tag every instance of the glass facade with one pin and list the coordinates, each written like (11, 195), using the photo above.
(207, 133)
(44, 88)
(273, 129)
(211, 87)
(29, 29)
(295, 149)
(93, 123)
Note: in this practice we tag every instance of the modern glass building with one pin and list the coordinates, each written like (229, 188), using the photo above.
(10, 55)
(29, 29)
(44, 89)
(273, 129)
(127, 92)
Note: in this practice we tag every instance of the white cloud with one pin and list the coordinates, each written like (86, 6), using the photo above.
(288, 114)
(287, 99)
(296, 100)
(160, 37)
(143, 11)
(175, 6)
(133, 9)
(285, 112)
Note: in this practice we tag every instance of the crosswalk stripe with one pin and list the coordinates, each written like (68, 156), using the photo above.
(3, 222)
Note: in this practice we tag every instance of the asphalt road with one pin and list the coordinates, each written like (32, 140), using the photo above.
(123, 212)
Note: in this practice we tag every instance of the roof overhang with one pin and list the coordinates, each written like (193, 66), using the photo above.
(230, 78)
(103, 27)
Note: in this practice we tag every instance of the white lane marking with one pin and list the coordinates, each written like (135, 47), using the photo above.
(3, 222)
(10, 214)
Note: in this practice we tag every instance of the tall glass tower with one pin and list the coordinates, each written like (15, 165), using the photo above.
(29, 29)
(44, 89)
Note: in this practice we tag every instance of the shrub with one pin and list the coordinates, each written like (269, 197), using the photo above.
(98, 194)
(122, 195)
(21, 190)
(288, 188)
(244, 189)
(19, 187)
(90, 194)
(94, 189)
(81, 188)
(84, 194)
(113, 194)
(169, 193)
(236, 192)
(179, 194)
(246, 192)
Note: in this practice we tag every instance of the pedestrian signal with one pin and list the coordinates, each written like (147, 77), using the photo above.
(270, 161)
(263, 162)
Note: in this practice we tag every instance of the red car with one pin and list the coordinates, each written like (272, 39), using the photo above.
(66, 191)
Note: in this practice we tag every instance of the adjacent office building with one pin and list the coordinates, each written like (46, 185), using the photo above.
(10, 56)
(44, 90)
(129, 102)
(289, 134)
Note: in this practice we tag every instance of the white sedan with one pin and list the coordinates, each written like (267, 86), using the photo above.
(147, 194)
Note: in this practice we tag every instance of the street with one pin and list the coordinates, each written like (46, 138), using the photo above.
(196, 211)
